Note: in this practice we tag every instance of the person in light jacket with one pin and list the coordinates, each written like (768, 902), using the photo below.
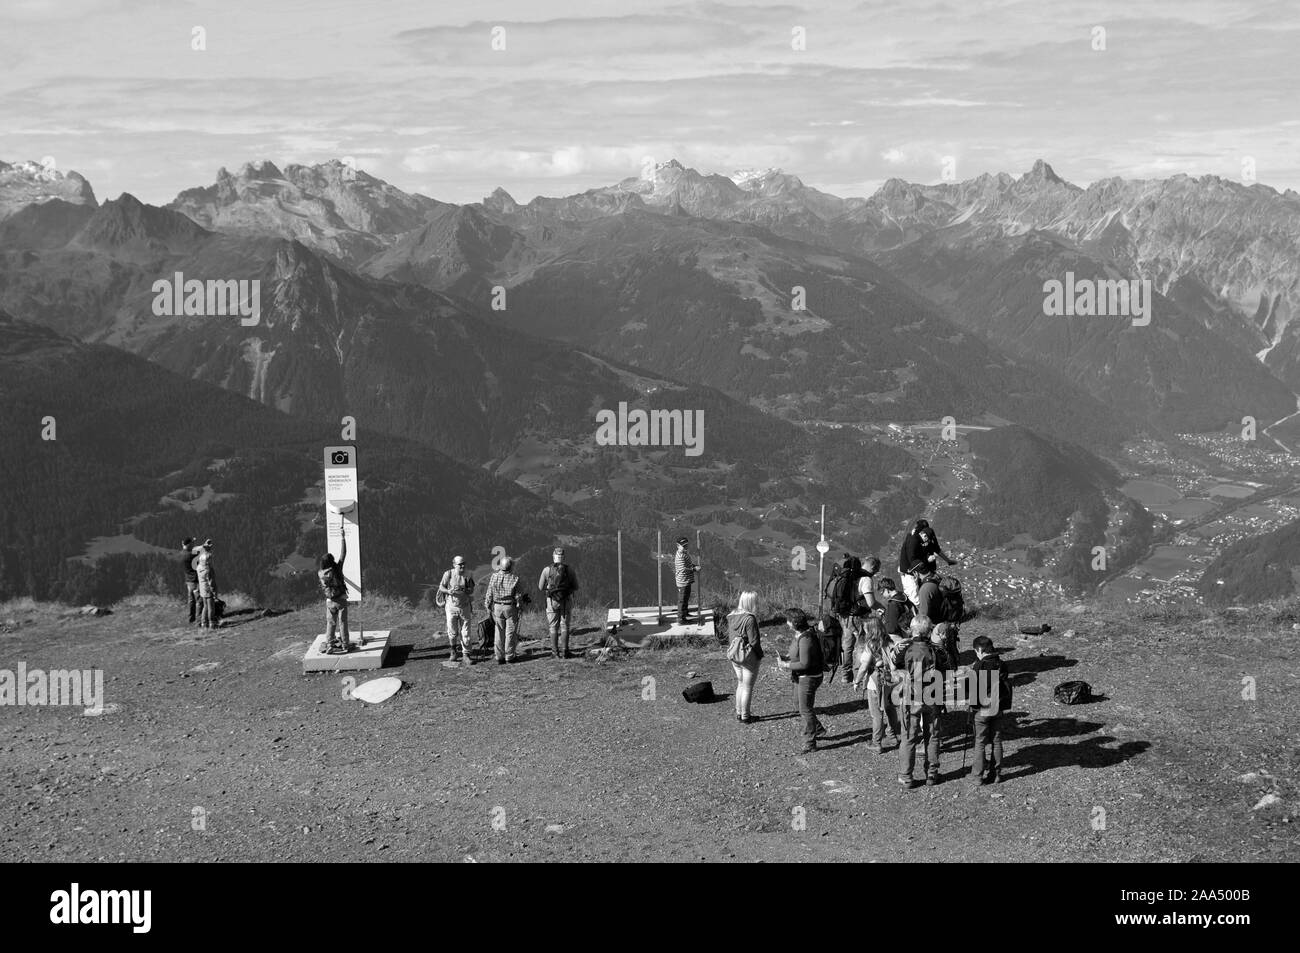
(744, 623)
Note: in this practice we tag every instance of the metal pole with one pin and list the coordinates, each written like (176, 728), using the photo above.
(659, 574)
(821, 561)
(699, 575)
(620, 577)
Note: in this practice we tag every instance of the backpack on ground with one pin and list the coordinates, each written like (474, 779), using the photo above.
(218, 610)
(1073, 693)
(487, 632)
(952, 605)
(558, 584)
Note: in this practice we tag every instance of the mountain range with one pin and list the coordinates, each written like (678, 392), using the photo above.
(493, 332)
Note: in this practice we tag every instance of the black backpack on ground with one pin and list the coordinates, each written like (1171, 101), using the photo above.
(952, 606)
(487, 632)
(219, 610)
(697, 692)
(1073, 693)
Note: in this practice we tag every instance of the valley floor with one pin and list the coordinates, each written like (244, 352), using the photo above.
(569, 761)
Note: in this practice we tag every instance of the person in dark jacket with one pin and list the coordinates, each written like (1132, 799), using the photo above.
(805, 668)
(920, 546)
(898, 612)
(993, 694)
(744, 623)
(338, 640)
(194, 603)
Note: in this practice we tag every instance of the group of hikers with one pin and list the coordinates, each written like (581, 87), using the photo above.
(898, 647)
(896, 644)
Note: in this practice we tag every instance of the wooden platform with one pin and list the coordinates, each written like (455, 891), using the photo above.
(641, 622)
(372, 656)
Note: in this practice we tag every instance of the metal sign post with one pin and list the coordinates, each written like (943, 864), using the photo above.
(342, 518)
(659, 572)
(620, 577)
(823, 548)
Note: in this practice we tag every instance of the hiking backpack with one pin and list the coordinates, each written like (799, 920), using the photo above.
(952, 606)
(332, 584)
(558, 585)
(830, 646)
(910, 681)
(843, 593)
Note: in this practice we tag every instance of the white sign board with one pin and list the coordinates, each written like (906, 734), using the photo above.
(341, 513)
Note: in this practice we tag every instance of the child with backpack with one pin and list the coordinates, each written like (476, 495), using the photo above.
(876, 676)
(921, 702)
(993, 697)
(335, 590)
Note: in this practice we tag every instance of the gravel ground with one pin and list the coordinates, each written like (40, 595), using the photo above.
(215, 747)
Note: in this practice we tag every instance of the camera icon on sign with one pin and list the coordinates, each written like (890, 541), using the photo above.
(339, 458)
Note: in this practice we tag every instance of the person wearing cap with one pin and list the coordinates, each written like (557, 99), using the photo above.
(684, 571)
(457, 589)
(192, 600)
(502, 602)
(559, 582)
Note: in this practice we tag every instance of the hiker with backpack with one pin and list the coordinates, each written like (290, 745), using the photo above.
(456, 592)
(920, 702)
(876, 677)
(920, 546)
(853, 599)
(338, 640)
(805, 668)
(559, 582)
(745, 651)
(993, 698)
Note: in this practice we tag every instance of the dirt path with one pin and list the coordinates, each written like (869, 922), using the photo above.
(568, 761)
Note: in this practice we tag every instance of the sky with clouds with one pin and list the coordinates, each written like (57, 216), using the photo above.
(583, 90)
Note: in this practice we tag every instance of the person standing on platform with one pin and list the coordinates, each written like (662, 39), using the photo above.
(684, 570)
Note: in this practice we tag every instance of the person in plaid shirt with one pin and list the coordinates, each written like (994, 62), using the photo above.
(502, 603)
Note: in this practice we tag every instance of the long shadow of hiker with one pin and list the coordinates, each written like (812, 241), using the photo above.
(1088, 753)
